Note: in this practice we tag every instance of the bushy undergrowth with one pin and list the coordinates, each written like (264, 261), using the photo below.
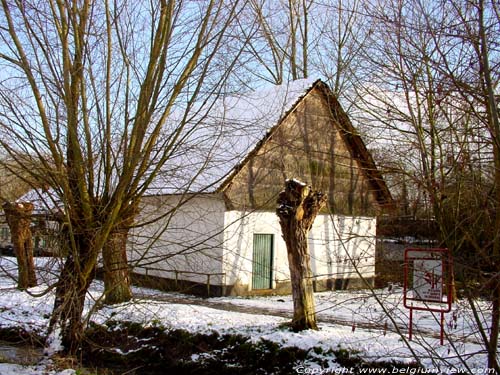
(156, 350)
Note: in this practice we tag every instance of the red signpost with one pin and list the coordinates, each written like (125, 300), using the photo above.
(428, 283)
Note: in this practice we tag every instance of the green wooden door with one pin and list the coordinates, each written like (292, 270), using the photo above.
(262, 265)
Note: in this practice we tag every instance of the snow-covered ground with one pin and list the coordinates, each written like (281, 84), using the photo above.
(356, 321)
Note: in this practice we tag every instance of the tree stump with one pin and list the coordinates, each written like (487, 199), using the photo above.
(297, 208)
(18, 217)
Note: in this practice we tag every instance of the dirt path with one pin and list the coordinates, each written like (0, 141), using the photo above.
(284, 313)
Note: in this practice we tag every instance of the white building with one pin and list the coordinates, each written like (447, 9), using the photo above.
(226, 239)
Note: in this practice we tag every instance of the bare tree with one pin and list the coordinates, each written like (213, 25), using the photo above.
(431, 94)
(340, 33)
(13, 183)
(479, 33)
(298, 206)
(115, 262)
(89, 94)
(278, 34)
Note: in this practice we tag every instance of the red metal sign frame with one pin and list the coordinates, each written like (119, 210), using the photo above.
(419, 303)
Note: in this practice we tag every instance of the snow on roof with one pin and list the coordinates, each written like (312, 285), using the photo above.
(225, 136)
(215, 141)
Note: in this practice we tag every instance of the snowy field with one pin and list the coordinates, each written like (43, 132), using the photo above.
(362, 322)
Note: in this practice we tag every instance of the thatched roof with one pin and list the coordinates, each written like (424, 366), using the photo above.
(350, 135)
(226, 137)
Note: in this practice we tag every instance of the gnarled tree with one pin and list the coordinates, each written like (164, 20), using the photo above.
(18, 217)
(298, 206)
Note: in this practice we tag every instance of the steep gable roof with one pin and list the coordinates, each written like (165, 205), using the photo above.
(226, 134)
(357, 147)
(219, 137)
(237, 127)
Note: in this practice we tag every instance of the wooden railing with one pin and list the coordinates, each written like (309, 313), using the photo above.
(180, 272)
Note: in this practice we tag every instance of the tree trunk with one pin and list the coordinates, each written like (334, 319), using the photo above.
(116, 271)
(75, 279)
(298, 206)
(304, 312)
(18, 217)
(114, 253)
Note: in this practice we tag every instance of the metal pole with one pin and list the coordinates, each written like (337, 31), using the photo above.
(441, 336)
(410, 331)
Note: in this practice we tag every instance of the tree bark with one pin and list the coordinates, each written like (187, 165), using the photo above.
(298, 206)
(18, 217)
(116, 271)
(75, 279)
(114, 253)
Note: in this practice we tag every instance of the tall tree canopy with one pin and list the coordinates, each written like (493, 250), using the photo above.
(88, 90)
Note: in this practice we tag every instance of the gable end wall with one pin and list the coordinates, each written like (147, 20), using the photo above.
(307, 145)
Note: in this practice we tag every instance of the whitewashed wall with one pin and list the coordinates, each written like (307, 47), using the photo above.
(343, 247)
(202, 238)
(189, 240)
(238, 245)
(340, 247)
